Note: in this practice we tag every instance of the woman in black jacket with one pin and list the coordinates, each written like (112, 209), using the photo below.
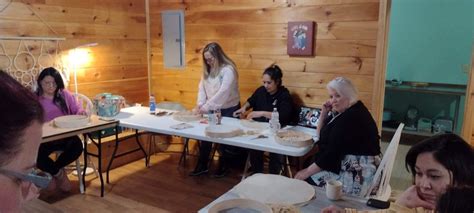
(349, 146)
(267, 97)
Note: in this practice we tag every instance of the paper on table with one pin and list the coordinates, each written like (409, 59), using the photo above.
(254, 124)
(181, 126)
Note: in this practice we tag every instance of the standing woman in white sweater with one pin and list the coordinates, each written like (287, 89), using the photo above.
(218, 89)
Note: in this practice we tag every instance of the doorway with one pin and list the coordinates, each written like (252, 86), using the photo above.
(428, 65)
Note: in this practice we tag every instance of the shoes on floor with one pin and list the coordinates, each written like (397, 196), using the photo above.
(221, 172)
(62, 181)
(52, 185)
(199, 170)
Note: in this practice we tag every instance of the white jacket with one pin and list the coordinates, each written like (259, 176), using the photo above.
(219, 92)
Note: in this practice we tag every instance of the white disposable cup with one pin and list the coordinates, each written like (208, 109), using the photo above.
(334, 190)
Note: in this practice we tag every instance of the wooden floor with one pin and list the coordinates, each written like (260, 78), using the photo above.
(163, 187)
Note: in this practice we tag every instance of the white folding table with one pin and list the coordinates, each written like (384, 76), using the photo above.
(139, 118)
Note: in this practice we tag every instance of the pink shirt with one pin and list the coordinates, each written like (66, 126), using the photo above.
(220, 92)
(52, 111)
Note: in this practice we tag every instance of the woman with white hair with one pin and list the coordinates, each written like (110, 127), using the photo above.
(348, 142)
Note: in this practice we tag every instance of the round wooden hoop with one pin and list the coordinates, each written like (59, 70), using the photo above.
(26, 53)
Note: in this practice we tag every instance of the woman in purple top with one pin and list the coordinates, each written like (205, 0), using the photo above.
(57, 101)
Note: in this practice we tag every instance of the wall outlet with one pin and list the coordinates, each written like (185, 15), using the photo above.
(466, 68)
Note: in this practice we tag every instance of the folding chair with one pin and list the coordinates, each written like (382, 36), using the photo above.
(166, 105)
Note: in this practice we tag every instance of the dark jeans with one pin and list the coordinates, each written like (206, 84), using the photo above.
(274, 166)
(71, 149)
(225, 151)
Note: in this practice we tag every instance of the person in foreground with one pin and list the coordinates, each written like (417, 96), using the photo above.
(456, 199)
(349, 148)
(20, 137)
(436, 164)
(442, 168)
(271, 95)
(57, 101)
(218, 90)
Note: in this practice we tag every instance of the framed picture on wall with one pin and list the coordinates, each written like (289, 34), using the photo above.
(300, 38)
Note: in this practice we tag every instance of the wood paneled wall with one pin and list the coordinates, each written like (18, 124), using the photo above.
(254, 34)
(118, 63)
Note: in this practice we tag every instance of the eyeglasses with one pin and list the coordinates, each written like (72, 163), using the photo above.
(210, 59)
(40, 179)
(50, 84)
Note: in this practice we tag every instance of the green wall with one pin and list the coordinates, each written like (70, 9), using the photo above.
(430, 40)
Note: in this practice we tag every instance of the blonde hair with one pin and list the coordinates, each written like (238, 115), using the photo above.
(345, 88)
(221, 58)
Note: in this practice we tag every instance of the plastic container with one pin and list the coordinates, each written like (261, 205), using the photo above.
(152, 104)
(218, 116)
(211, 117)
(108, 105)
(275, 121)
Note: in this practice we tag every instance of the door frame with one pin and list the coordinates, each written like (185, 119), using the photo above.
(467, 125)
(381, 61)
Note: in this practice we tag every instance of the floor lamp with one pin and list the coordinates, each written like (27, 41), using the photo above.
(79, 58)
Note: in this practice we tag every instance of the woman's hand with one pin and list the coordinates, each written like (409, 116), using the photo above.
(306, 173)
(195, 110)
(332, 209)
(327, 107)
(255, 114)
(302, 174)
(410, 199)
(238, 113)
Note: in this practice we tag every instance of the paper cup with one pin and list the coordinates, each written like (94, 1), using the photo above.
(334, 190)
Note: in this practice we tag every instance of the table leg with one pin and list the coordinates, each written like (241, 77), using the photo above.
(114, 154)
(287, 167)
(246, 167)
(141, 148)
(151, 143)
(100, 166)
(184, 152)
(83, 178)
(99, 159)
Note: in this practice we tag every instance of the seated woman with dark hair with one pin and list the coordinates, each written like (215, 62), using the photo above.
(57, 101)
(271, 95)
(20, 137)
(437, 164)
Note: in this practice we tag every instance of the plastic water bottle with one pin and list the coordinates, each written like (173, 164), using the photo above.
(211, 117)
(152, 104)
(275, 121)
(218, 116)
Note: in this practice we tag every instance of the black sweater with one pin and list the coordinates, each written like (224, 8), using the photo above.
(353, 132)
(261, 100)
